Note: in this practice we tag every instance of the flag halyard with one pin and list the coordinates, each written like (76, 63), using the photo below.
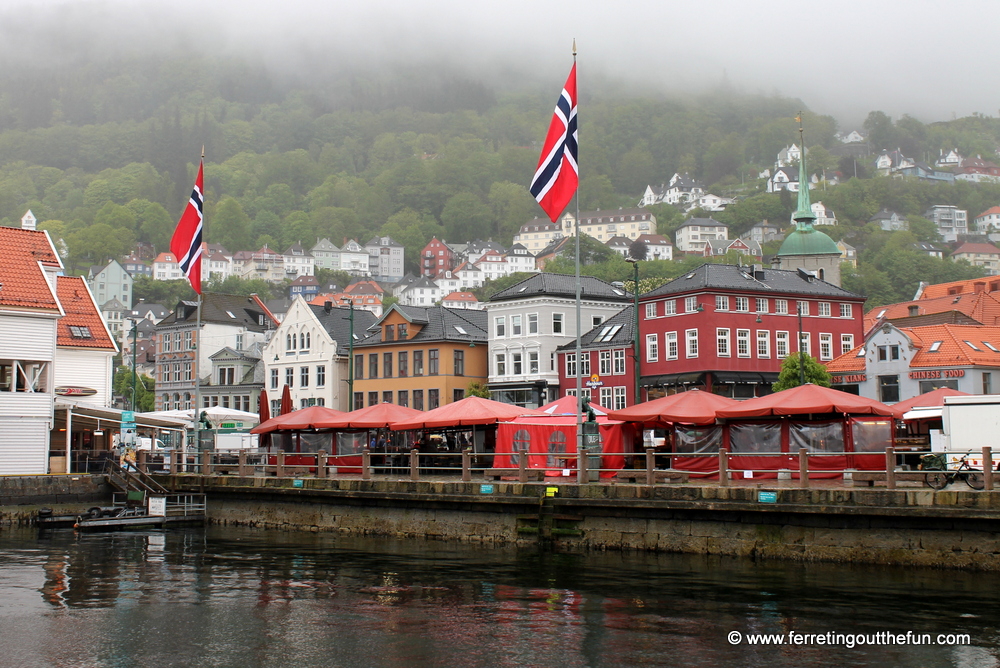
(186, 242)
(557, 175)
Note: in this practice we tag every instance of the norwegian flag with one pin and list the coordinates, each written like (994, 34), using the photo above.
(186, 242)
(557, 176)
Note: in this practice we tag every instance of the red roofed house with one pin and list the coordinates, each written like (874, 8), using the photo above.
(988, 221)
(165, 268)
(436, 258)
(462, 300)
(895, 364)
(29, 316)
(970, 308)
(84, 346)
(986, 256)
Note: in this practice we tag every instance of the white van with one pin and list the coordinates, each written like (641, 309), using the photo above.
(150, 444)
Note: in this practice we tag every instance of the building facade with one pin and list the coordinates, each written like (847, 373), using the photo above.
(606, 365)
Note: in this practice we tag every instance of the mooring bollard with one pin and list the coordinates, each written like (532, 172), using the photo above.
(466, 465)
(366, 464)
(280, 468)
(414, 464)
(175, 461)
(988, 467)
(804, 467)
(723, 467)
(890, 468)
(140, 460)
(243, 463)
(650, 476)
(321, 464)
(206, 463)
(581, 465)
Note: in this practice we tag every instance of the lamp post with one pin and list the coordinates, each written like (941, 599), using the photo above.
(350, 357)
(802, 362)
(135, 330)
(635, 342)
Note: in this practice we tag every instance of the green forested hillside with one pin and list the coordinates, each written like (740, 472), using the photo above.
(104, 154)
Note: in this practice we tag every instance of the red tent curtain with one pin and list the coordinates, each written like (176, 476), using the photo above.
(545, 441)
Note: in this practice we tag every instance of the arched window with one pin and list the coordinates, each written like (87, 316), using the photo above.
(557, 446)
(522, 443)
(302, 341)
(187, 400)
(177, 401)
(165, 402)
(288, 341)
(822, 274)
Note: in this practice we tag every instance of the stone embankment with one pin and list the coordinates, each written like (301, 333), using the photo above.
(22, 496)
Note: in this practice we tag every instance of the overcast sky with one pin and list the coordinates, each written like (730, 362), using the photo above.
(928, 58)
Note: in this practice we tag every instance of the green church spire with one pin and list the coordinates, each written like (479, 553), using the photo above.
(804, 216)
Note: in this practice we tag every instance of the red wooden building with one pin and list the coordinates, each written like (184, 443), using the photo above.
(608, 365)
(727, 328)
(436, 258)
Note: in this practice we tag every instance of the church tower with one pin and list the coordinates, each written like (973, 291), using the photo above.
(806, 247)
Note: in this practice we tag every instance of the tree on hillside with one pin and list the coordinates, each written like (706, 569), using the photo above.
(145, 388)
(790, 375)
(638, 250)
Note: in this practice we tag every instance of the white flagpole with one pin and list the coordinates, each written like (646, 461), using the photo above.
(579, 330)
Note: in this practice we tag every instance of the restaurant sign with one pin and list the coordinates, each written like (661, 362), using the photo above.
(849, 379)
(937, 373)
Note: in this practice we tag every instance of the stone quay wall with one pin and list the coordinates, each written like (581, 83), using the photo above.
(22, 496)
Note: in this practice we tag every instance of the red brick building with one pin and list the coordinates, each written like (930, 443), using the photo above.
(727, 328)
(436, 258)
(606, 353)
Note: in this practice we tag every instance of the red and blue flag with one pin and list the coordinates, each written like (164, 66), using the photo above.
(186, 242)
(557, 175)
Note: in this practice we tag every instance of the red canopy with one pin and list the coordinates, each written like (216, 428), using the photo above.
(314, 417)
(692, 407)
(932, 398)
(376, 416)
(286, 400)
(264, 414)
(567, 406)
(805, 399)
(468, 411)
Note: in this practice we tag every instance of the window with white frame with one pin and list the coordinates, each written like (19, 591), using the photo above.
(690, 304)
(501, 364)
(571, 365)
(274, 379)
(781, 345)
(804, 341)
(652, 348)
(585, 364)
(517, 363)
(691, 341)
(824, 309)
(619, 362)
(781, 306)
(743, 343)
(500, 326)
(321, 376)
(606, 398)
(761, 303)
(605, 363)
(743, 304)
(557, 323)
(290, 377)
(515, 325)
(763, 343)
(846, 343)
(803, 308)
(650, 310)
(721, 303)
(826, 346)
(533, 362)
(671, 342)
(670, 307)
(532, 323)
(845, 311)
(620, 398)
(722, 342)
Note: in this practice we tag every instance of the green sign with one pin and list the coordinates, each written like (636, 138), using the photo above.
(296, 483)
(128, 425)
(767, 497)
(228, 425)
(128, 416)
(486, 489)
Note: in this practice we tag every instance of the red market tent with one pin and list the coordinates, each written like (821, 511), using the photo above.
(805, 399)
(692, 407)
(376, 416)
(819, 419)
(549, 433)
(263, 415)
(286, 400)
(466, 412)
(926, 400)
(314, 417)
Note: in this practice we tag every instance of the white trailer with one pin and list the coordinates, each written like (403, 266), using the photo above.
(969, 424)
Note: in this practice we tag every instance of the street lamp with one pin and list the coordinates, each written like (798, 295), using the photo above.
(635, 343)
(350, 357)
(135, 330)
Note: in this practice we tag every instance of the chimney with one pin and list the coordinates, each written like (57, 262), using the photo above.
(328, 306)
(914, 310)
(978, 287)
(28, 221)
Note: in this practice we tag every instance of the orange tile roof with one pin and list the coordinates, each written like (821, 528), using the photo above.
(968, 286)
(82, 315)
(22, 280)
(983, 307)
(954, 351)
(990, 211)
(165, 257)
(847, 363)
(978, 249)
(461, 296)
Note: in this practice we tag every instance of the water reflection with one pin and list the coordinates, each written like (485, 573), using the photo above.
(254, 598)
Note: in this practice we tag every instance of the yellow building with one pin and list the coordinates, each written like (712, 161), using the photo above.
(421, 357)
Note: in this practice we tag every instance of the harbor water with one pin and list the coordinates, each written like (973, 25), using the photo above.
(247, 598)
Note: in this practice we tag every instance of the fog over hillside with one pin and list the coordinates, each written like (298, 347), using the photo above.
(924, 58)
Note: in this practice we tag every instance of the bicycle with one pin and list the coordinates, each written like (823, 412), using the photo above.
(939, 479)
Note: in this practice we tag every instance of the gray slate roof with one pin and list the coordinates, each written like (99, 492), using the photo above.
(624, 336)
(708, 222)
(733, 277)
(562, 285)
(216, 308)
(337, 323)
(439, 324)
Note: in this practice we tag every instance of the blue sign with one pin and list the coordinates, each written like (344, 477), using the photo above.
(296, 483)
(128, 425)
(486, 489)
(128, 416)
(767, 497)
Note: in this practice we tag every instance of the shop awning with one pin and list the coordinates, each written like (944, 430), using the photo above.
(744, 377)
(668, 379)
(113, 416)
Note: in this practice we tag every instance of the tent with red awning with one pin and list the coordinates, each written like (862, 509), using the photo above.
(926, 400)
(464, 413)
(376, 416)
(692, 407)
